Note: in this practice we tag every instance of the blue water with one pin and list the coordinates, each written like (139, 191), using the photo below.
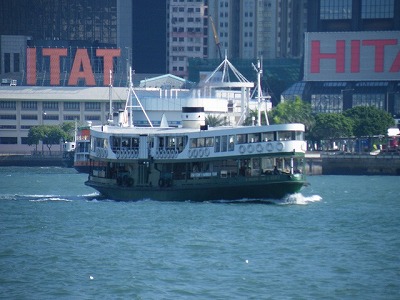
(338, 239)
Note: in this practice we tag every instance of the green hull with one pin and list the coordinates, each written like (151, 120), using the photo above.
(262, 187)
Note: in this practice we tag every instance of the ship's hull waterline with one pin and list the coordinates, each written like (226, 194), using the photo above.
(259, 188)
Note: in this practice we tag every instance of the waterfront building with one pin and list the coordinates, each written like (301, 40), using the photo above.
(352, 56)
(22, 107)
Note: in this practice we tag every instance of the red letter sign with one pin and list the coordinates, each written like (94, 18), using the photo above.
(54, 54)
(379, 51)
(316, 56)
(81, 59)
(108, 55)
(31, 66)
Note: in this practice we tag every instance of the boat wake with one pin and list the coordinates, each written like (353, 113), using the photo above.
(299, 199)
(49, 198)
(294, 199)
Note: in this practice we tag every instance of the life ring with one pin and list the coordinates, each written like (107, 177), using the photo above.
(206, 152)
(280, 146)
(270, 147)
(250, 148)
(259, 148)
(190, 153)
(194, 152)
(242, 149)
(201, 152)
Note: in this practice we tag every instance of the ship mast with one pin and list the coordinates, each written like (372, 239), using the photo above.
(129, 103)
(260, 97)
(110, 114)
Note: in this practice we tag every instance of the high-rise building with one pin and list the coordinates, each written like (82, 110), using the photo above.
(248, 29)
(241, 29)
(187, 34)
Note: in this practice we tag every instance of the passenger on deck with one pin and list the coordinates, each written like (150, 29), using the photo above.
(276, 171)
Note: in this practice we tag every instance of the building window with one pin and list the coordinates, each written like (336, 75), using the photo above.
(377, 9)
(29, 117)
(24, 141)
(8, 117)
(50, 117)
(335, 9)
(396, 105)
(26, 127)
(7, 127)
(16, 62)
(7, 62)
(327, 103)
(71, 118)
(376, 100)
(50, 105)
(8, 140)
(71, 106)
(92, 106)
(8, 105)
(92, 118)
(29, 105)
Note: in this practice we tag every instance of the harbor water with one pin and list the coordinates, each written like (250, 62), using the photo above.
(337, 239)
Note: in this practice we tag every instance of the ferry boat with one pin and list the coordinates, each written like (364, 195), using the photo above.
(196, 162)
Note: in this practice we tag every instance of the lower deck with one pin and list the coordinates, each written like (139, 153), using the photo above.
(246, 178)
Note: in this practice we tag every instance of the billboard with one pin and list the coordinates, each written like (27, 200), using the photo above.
(79, 64)
(352, 56)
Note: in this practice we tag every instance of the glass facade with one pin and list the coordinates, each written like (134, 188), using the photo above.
(335, 9)
(327, 103)
(376, 100)
(377, 9)
(90, 20)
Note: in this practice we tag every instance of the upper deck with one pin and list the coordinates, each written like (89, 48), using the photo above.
(124, 144)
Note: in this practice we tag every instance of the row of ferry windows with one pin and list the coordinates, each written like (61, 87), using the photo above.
(221, 143)
(227, 141)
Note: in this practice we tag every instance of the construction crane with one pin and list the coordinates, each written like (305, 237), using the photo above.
(216, 38)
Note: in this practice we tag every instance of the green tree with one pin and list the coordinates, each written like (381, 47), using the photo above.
(215, 121)
(35, 135)
(69, 129)
(254, 113)
(331, 125)
(53, 135)
(369, 120)
(296, 111)
(48, 134)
